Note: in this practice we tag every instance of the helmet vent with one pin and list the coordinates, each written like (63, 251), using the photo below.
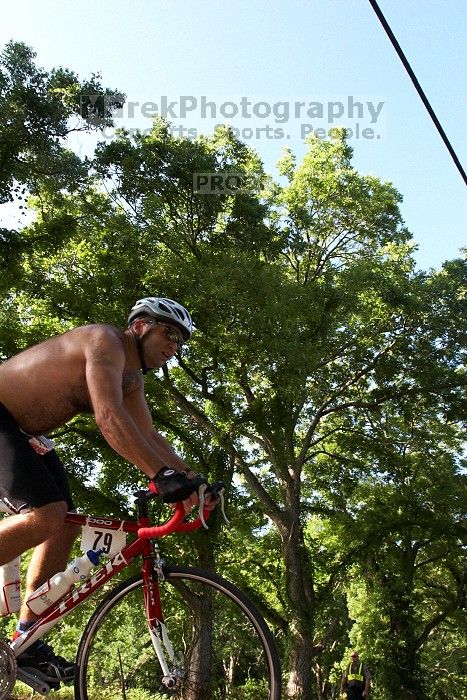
(164, 309)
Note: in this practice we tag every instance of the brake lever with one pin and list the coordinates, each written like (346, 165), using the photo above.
(221, 499)
(201, 492)
(219, 494)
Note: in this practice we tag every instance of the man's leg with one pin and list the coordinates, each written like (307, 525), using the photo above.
(353, 693)
(48, 558)
(35, 488)
(43, 528)
(19, 533)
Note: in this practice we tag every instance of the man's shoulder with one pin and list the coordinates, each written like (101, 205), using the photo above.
(95, 338)
(96, 331)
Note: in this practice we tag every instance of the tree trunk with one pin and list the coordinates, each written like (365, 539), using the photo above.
(300, 685)
(199, 666)
(299, 581)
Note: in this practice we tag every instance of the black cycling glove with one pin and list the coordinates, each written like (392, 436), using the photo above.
(173, 486)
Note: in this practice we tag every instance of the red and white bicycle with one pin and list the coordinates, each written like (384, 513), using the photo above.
(169, 631)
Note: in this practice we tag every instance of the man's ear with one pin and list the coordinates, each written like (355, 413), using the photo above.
(137, 326)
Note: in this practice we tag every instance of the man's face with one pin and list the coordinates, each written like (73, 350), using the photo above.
(354, 657)
(161, 341)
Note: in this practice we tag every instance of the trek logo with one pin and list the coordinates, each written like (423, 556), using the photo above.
(106, 571)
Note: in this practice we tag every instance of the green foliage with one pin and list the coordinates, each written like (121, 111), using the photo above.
(325, 382)
(37, 108)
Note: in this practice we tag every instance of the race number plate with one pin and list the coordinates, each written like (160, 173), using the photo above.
(95, 536)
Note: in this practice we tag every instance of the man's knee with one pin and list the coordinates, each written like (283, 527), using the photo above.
(50, 518)
(72, 531)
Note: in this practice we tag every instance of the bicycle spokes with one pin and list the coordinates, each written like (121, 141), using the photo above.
(7, 670)
(212, 645)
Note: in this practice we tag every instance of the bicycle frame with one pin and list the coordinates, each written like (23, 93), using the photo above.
(141, 546)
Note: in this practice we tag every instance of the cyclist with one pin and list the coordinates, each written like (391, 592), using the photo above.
(96, 369)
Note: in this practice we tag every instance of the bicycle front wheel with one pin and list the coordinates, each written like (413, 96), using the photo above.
(223, 647)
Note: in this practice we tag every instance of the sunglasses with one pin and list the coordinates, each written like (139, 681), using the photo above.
(171, 333)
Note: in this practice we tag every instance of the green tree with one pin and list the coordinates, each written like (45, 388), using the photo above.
(39, 110)
(322, 311)
(403, 521)
(309, 320)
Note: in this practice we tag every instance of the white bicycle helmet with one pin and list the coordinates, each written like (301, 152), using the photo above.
(163, 310)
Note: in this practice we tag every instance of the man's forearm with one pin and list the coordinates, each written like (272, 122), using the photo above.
(124, 436)
(167, 454)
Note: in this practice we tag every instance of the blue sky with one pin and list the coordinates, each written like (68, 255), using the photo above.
(260, 58)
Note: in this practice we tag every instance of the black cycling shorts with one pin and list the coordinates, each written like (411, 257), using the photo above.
(28, 480)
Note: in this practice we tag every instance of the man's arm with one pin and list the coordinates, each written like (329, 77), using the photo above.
(343, 682)
(137, 407)
(126, 422)
(366, 674)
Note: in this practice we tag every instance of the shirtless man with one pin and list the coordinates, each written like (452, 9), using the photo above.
(96, 369)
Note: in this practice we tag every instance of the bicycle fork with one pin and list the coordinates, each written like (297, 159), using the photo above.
(173, 671)
(160, 639)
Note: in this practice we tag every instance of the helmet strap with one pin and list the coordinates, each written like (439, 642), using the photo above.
(139, 344)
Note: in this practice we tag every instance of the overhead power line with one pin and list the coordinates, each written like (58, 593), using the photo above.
(418, 87)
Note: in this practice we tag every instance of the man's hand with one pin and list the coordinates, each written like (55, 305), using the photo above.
(180, 487)
(175, 487)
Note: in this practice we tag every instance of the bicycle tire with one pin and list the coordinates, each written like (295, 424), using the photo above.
(116, 659)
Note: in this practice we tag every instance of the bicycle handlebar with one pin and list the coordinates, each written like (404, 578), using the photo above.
(174, 524)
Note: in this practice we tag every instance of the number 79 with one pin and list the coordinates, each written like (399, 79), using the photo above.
(107, 541)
